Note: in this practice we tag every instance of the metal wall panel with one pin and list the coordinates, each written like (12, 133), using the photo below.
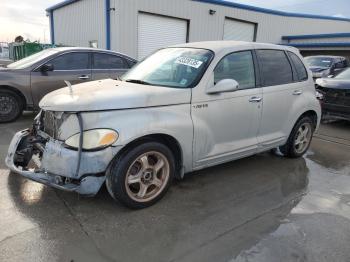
(202, 25)
(78, 23)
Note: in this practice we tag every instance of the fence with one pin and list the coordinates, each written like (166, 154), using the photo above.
(18, 51)
(4, 50)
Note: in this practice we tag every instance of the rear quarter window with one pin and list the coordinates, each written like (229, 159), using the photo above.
(274, 67)
(299, 67)
(107, 61)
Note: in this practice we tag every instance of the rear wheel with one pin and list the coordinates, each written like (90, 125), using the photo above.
(142, 175)
(11, 106)
(299, 139)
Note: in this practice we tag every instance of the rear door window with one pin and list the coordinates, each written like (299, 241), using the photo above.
(238, 66)
(299, 66)
(107, 61)
(71, 61)
(275, 67)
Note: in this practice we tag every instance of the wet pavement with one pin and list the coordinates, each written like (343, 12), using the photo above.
(262, 208)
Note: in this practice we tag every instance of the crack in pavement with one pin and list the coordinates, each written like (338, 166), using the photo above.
(70, 211)
(14, 235)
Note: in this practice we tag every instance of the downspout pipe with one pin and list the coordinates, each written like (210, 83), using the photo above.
(108, 24)
(52, 27)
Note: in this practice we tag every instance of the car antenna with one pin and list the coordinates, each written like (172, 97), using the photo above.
(69, 85)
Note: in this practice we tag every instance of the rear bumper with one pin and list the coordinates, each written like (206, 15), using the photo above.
(58, 166)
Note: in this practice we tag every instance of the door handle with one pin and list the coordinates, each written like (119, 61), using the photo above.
(84, 77)
(297, 92)
(255, 99)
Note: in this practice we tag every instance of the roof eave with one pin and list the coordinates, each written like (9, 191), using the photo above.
(59, 5)
(270, 11)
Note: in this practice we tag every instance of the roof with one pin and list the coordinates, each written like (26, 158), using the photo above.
(233, 5)
(328, 56)
(270, 11)
(217, 46)
(61, 4)
(331, 44)
(315, 36)
(71, 48)
(63, 49)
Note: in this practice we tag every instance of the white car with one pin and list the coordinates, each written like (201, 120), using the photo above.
(183, 108)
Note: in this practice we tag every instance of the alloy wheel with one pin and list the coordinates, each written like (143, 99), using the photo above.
(147, 176)
(303, 137)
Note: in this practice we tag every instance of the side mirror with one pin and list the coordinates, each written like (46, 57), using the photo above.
(338, 65)
(224, 85)
(46, 68)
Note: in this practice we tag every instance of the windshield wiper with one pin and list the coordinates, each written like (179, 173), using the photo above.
(137, 81)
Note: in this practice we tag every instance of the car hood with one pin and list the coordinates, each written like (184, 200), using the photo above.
(315, 69)
(111, 94)
(334, 83)
(4, 69)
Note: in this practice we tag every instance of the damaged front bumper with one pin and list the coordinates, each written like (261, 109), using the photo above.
(56, 165)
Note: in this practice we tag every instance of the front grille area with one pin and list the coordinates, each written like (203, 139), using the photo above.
(340, 97)
(51, 122)
(336, 96)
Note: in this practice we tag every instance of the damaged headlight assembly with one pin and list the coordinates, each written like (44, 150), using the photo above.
(94, 139)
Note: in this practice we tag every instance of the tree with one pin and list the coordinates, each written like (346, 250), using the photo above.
(19, 39)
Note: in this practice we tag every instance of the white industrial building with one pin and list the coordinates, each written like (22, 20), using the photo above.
(138, 27)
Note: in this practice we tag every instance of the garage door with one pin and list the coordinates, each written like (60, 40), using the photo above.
(155, 32)
(239, 31)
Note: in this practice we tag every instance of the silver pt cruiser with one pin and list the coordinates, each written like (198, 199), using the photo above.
(183, 108)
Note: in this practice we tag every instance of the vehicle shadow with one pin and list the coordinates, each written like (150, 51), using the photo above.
(227, 208)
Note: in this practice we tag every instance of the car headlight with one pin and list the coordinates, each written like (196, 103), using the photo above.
(319, 95)
(93, 139)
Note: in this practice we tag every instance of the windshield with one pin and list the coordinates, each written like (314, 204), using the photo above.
(344, 75)
(171, 67)
(325, 62)
(32, 59)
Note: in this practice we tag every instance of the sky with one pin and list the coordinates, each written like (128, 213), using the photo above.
(28, 17)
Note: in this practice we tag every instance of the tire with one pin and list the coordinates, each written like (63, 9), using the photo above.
(291, 148)
(150, 165)
(11, 106)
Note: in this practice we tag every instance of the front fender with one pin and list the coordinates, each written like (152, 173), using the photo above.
(132, 124)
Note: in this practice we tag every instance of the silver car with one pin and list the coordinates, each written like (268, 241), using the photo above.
(183, 108)
(25, 82)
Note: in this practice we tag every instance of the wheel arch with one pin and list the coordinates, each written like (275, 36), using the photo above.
(16, 91)
(312, 114)
(168, 140)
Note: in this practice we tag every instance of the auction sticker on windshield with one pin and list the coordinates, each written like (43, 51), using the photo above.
(188, 61)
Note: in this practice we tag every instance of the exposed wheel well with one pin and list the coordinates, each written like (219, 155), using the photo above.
(312, 114)
(167, 140)
(16, 91)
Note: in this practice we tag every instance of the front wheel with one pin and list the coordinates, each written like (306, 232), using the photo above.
(11, 106)
(299, 139)
(141, 176)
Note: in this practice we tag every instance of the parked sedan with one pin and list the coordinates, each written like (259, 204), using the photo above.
(25, 82)
(334, 95)
(323, 66)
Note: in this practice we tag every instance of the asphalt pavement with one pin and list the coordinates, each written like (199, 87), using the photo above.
(262, 208)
